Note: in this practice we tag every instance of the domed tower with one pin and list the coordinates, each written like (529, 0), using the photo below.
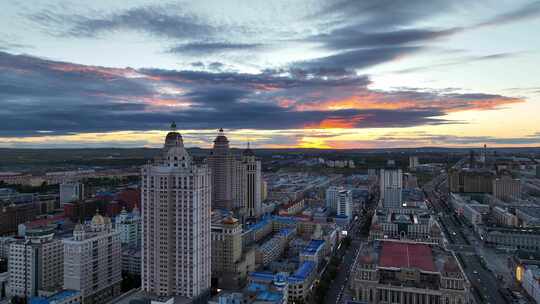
(253, 182)
(221, 163)
(174, 152)
(176, 220)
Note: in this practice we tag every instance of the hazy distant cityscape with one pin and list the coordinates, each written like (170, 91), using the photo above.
(234, 226)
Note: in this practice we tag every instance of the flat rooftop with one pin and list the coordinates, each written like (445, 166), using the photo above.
(407, 255)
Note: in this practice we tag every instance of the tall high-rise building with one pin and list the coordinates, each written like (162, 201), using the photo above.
(71, 192)
(391, 183)
(176, 202)
(93, 261)
(35, 263)
(129, 227)
(253, 203)
(230, 263)
(344, 203)
(221, 163)
(413, 162)
(332, 194)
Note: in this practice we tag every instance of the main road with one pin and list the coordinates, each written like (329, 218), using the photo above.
(485, 287)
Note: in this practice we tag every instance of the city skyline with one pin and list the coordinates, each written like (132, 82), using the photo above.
(308, 74)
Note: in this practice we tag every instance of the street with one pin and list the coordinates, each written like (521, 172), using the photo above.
(485, 287)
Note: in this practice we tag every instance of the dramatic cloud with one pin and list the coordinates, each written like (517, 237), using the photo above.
(61, 98)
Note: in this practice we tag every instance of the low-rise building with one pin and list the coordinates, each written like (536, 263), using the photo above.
(408, 272)
(504, 217)
(514, 238)
(313, 252)
(506, 188)
(62, 297)
(299, 283)
(475, 212)
(531, 282)
(419, 226)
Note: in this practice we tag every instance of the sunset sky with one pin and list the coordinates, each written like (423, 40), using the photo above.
(303, 73)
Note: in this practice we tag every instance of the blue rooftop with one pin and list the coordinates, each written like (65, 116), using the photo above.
(57, 297)
(262, 276)
(260, 224)
(303, 271)
(313, 247)
(286, 232)
(269, 296)
(285, 219)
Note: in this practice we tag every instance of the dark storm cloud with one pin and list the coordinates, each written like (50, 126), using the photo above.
(205, 48)
(352, 37)
(357, 59)
(382, 14)
(154, 20)
(38, 94)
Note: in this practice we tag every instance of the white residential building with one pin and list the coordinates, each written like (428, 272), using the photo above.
(35, 263)
(176, 205)
(92, 261)
(130, 228)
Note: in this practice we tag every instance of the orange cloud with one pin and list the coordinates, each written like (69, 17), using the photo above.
(337, 123)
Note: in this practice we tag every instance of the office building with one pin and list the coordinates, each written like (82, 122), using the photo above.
(71, 192)
(413, 162)
(230, 263)
(507, 188)
(407, 272)
(471, 180)
(344, 203)
(35, 263)
(390, 187)
(176, 221)
(92, 261)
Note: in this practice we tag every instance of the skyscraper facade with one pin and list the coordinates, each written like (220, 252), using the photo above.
(252, 167)
(344, 203)
(221, 163)
(332, 194)
(176, 202)
(391, 184)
